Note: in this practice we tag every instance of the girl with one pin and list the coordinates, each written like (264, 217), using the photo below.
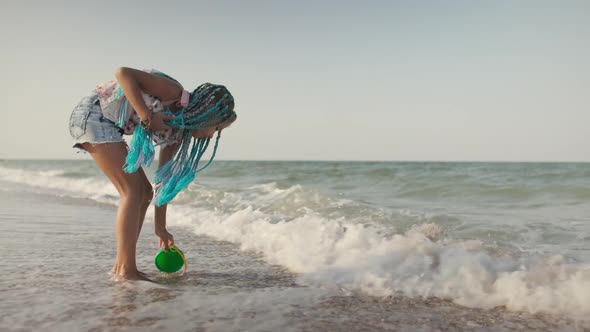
(153, 107)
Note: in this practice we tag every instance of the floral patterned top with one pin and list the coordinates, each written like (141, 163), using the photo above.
(112, 100)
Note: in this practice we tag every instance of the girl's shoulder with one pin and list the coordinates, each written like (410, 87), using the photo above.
(110, 91)
(160, 73)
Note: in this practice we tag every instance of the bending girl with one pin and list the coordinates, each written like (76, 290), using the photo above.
(157, 111)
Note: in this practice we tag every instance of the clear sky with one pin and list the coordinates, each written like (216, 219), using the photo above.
(318, 80)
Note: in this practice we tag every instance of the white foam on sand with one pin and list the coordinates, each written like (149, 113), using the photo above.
(355, 257)
(53, 181)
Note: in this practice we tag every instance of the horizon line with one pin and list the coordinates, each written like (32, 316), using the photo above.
(341, 160)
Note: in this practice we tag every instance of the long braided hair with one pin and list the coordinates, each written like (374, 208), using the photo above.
(209, 106)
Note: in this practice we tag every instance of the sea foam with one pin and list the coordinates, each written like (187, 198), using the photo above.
(359, 258)
(54, 182)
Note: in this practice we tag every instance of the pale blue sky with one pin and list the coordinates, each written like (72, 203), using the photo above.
(319, 80)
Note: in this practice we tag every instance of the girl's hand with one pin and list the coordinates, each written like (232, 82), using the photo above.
(166, 239)
(157, 122)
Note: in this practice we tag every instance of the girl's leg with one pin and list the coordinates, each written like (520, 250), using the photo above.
(148, 195)
(135, 191)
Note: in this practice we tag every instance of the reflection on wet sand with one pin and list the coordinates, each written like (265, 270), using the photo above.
(360, 312)
(128, 298)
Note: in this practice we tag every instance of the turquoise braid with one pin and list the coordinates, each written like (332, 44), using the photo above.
(209, 106)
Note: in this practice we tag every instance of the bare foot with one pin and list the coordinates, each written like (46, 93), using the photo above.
(124, 273)
(132, 276)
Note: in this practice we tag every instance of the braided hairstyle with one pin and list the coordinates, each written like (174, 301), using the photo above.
(210, 105)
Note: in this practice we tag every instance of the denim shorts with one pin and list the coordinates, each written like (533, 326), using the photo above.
(88, 125)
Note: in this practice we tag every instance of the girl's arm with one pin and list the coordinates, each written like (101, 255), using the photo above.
(134, 81)
(166, 239)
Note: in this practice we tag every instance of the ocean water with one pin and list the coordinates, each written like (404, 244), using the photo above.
(291, 246)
